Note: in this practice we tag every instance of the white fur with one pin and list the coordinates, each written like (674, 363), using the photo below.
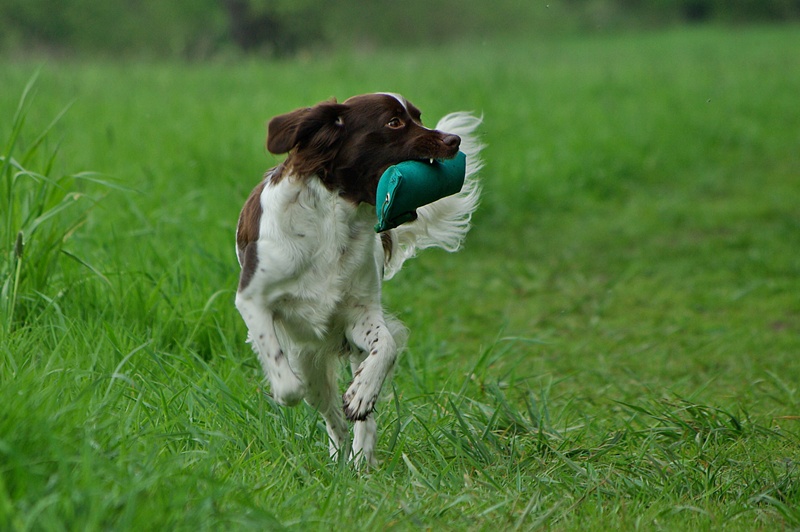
(397, 97)
(318, 281)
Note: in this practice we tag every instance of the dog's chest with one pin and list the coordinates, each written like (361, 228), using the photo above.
(320, 253)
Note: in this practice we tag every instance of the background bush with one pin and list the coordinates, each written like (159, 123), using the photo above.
(200, 28)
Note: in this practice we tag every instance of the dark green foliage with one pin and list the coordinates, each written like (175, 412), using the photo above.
(187, 28)
(202, 28)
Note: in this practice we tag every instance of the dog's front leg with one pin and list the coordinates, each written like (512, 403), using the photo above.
(287, 389)
(370, 334)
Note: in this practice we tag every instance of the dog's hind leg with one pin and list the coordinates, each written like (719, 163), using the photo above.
(365, 432)
(319, 373)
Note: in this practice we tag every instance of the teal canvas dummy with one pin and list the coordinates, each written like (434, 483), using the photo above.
(409, 185)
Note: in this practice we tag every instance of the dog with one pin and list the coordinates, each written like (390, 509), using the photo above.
(312, 265)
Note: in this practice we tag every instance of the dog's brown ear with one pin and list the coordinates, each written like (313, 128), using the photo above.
(282, 131)
(312, 127)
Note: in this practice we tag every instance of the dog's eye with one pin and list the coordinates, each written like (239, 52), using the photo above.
(395, 123)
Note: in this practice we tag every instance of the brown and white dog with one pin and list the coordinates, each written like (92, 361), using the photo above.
(312, 265)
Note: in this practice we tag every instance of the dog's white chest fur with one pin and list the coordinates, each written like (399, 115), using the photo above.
(318, 253)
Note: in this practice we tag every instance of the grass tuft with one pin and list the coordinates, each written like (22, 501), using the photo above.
(41, 212)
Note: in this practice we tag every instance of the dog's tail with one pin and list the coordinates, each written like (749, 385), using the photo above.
(445, 222)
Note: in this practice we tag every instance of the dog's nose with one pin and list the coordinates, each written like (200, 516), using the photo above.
(452, 141)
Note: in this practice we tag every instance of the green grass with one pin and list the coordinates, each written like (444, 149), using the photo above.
(616, 347)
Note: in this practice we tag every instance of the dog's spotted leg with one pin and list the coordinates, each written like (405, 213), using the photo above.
(370, 334)
(287, 389)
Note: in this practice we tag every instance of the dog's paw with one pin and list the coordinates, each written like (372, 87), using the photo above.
(288, 390)
(359, 400)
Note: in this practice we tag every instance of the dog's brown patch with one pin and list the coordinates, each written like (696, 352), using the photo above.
(247, 234)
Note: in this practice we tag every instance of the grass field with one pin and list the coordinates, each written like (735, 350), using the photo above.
(617, 346)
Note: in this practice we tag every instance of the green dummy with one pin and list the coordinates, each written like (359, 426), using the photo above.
(406, 186)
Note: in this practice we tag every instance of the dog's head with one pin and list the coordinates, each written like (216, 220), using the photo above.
(349, 145)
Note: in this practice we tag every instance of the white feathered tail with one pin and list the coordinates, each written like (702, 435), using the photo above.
(445, 222)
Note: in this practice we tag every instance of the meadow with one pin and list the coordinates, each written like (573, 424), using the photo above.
(616, 347)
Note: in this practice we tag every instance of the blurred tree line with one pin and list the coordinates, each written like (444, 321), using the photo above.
(201, 28)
